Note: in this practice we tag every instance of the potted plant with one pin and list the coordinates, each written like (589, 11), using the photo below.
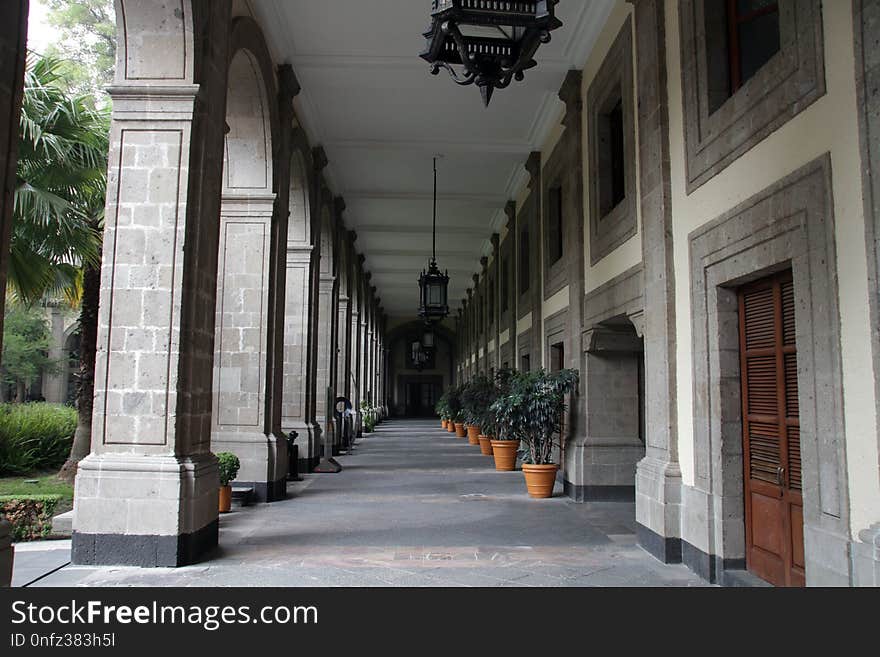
(471, 397)
(507, 410)
(487, 419)
(538, 424)
(228, 465)
(442, 409)
(368, 412)
(455, 413)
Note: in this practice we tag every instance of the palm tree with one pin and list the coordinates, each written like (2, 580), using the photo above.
(59, 214)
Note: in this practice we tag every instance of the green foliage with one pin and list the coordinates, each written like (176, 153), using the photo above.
(530, 410)
(477, 397)
(60, 187)
(34, 437)
(26, 346)
(453, 403)
(87, 44)
(442, 406)
(370, 415)
(29, 515)
(229, 465)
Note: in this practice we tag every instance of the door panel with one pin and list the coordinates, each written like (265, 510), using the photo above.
(771, 431)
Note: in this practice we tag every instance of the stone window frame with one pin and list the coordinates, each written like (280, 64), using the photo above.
(527, 218)
(562, 171)
(609, 231)
(524, 348)
(790, 224)
(790, 82)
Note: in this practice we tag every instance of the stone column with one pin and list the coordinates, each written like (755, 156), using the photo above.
(513, 313)
(147, 493)
(239, 423)
(55, 384)
(326, 345)
(658, 478)
(13, 42)
(496, 293)
(317, 200)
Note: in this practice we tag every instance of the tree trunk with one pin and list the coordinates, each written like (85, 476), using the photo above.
(88, 321)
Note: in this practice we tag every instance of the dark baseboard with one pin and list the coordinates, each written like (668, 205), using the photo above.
(663, 548)
(143, 551)
(271, 491)
(599, 493)
(715, 569)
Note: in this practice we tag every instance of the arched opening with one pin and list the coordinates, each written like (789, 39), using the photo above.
(240, 423)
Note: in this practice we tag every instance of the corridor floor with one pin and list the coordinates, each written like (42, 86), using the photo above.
(413, 506)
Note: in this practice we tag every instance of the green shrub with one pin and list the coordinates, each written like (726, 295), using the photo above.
(30, 515)
(229, 465)
(34, 437)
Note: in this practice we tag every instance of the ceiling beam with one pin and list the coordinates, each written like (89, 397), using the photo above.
(515, 147)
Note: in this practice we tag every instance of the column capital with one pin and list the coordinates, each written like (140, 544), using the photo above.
(288, 84)
(510, 211)
(533, 166)
(319, 158)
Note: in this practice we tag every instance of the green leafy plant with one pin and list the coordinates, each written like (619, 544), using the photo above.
(476, 399)
(529, 408)
(370, 415)
(29, 515)
(453, 403)
(34, 437)
(229, 465)
(442, 406)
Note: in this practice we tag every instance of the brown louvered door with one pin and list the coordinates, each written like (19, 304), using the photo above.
(771, 432)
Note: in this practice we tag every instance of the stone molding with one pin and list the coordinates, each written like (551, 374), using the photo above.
(789, 83)
(615, 78)
(789, 224)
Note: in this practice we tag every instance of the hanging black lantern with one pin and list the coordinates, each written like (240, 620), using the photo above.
(433, 284)
(493, 41)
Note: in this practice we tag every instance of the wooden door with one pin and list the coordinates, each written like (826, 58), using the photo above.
(771, 432)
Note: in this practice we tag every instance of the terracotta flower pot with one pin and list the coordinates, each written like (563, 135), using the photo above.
(485, 445)
(225, 499)
(450, 426)
(460, 430)
(540, 479)
(473, 433)
(504, 452)
(443, 423)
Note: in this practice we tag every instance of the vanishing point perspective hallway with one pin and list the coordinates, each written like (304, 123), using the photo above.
(413, 506)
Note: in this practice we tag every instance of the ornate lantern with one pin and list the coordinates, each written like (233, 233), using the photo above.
(493, 41)
(433, 284)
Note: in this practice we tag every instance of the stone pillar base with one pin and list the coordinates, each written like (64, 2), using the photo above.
(602, 473)
(658, 508)
(263, 459)
(147, 511)
(866, 557)
(7, 554)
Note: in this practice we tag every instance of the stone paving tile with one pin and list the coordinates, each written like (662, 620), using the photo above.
(413, 507)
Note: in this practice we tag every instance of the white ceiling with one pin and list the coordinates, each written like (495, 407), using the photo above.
(368, 98)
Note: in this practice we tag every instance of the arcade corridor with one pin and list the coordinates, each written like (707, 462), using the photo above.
(414, 506)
